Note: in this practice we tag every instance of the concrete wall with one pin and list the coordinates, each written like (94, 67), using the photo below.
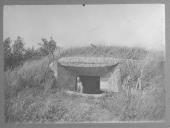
(66, 78)
(114, 80)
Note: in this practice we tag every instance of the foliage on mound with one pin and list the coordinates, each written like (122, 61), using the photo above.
(29, 89)
(107, 51)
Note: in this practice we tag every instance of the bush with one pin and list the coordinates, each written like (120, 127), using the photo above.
(35, 74)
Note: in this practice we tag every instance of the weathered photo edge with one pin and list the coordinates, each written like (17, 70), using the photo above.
(165, 123)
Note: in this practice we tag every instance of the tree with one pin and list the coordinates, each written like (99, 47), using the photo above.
(52, 46)
(7, 47)
(43, 47)
(7, 53)
(18, 46)
(47, 47)
(18, 51)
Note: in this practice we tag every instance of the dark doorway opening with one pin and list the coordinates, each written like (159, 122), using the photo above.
(88, 84)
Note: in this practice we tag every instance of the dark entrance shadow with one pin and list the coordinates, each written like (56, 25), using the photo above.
(90, 84)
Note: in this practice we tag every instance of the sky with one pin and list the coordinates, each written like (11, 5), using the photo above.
(138, 25)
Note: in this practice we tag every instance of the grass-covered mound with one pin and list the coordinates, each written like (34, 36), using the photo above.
(32, 92)
(107, 51)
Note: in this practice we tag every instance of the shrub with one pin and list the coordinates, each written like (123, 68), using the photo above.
(35, 74)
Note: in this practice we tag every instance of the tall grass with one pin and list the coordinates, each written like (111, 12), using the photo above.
(29, 90)
(107, 51)
(32, 79)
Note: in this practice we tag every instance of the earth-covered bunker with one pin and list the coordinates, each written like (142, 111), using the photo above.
(89, 70)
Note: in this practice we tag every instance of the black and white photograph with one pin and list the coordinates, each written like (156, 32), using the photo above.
(84, 63)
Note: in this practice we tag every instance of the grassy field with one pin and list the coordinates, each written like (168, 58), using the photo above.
(32, 93)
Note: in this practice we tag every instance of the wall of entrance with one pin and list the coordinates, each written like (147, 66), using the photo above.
(91, 83)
